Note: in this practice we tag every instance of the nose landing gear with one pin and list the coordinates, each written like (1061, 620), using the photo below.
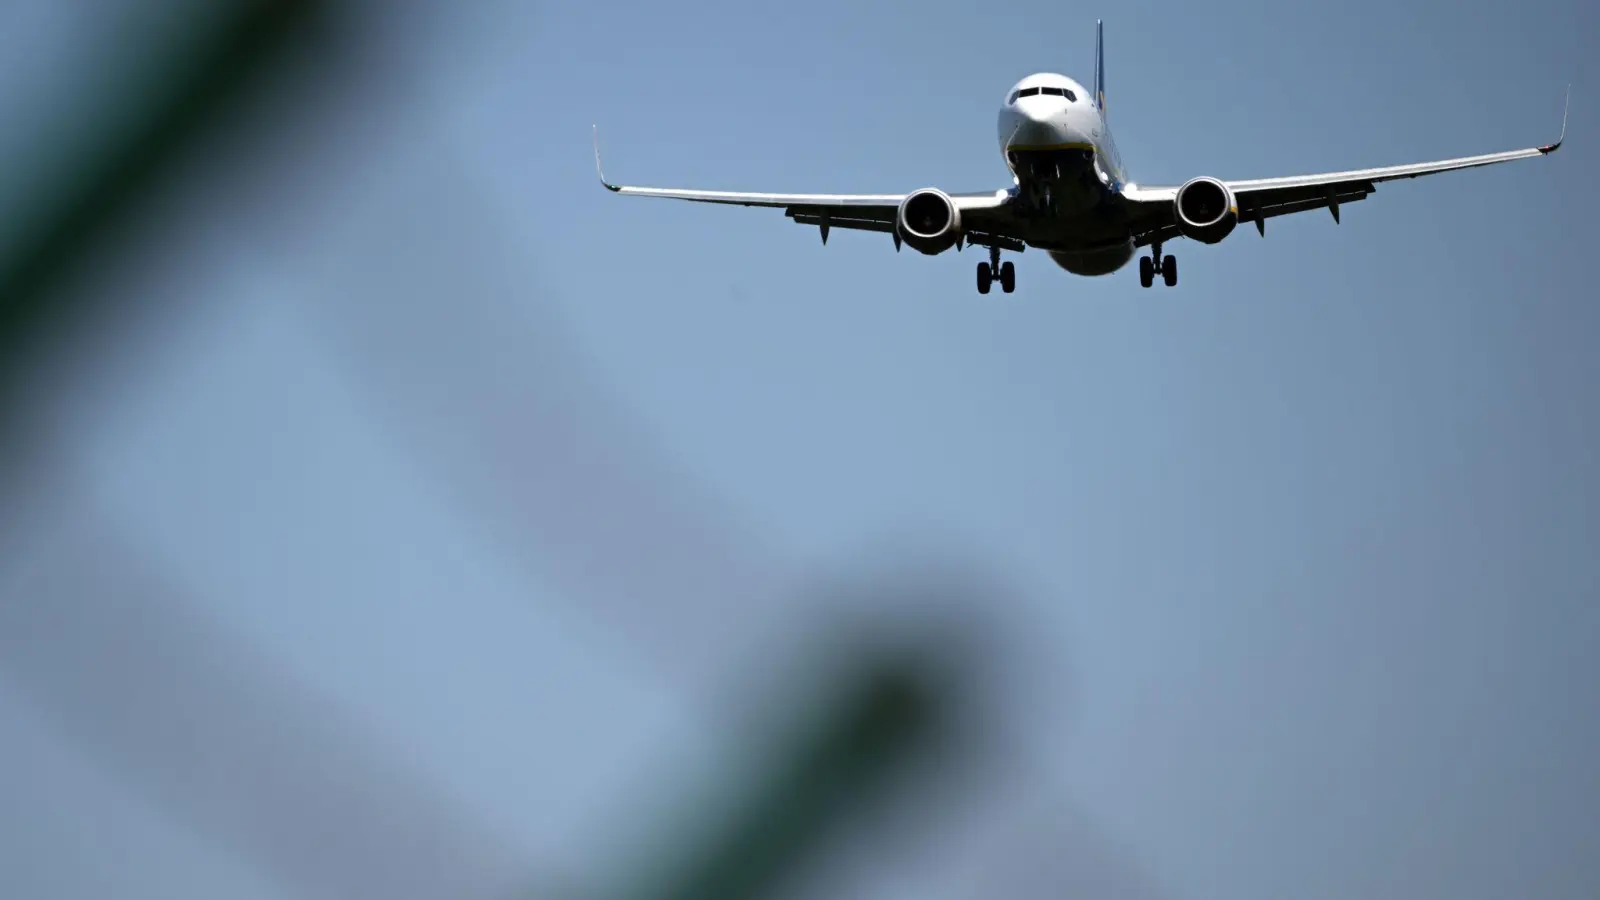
(989, 271)
(1154, 264)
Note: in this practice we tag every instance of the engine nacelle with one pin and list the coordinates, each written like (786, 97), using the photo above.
(1206, 210)
(928, 221)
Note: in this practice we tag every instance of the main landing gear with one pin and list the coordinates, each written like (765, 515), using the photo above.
(1149, 268)
(988, 271)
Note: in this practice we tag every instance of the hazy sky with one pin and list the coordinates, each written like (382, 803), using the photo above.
(1301, 559)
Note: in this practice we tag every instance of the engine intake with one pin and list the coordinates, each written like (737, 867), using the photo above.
(1206, 210)
(928, 221)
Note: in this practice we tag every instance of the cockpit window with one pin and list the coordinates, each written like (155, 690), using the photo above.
(1049, 91)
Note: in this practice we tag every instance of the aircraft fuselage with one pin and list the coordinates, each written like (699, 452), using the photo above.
(1055, 140)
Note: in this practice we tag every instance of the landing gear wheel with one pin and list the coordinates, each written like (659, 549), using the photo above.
(1169, 271)
(1008, 277)
(985, 278)
(1147, 271)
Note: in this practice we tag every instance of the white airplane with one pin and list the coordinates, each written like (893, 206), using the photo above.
(1070, 195)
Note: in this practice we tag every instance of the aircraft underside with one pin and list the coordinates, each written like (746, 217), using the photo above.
(1095, 262)
(1069, 211)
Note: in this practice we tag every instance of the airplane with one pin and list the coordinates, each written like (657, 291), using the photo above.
(1071, 196)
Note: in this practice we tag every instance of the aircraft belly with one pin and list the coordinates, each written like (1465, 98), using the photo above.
(1095, 232)
(1101, 260)
(1094, 242)
(1082, 229)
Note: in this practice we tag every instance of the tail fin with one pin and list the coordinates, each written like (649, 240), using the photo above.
(1100, 66)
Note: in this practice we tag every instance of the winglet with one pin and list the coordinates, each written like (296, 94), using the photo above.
(1100, 65)
(1551, 148)
(597, 169)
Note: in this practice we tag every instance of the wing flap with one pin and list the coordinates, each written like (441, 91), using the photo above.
(1265, 205)
(814, 216)
(855, 220)
(1268, 204)
(1259, 199)
(1388, 173)
(740, 198)
(966, 201)
(1307, 197)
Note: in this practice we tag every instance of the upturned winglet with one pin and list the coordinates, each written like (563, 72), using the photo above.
(597, 169)
(1565, 108)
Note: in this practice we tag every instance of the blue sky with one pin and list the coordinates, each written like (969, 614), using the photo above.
(521, 477)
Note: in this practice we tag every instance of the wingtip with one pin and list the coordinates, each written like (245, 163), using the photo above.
(598, 170)
(1566, 108)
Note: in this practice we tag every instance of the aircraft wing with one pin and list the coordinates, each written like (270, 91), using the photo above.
(859, 212)
(1263, 198)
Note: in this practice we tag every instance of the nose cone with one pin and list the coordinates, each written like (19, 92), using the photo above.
(1039, 123)
(1035, 124)
(1040, 110)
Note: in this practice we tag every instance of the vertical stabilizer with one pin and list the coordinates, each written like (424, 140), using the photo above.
(1100, 66)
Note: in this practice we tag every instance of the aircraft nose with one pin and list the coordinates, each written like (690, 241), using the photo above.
(1039, 124)
(1037, 112)
(1033, 114)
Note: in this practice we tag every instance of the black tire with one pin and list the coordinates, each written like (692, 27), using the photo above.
(985, 278)
(1169, 271)
(1008, 277)
(1147, 272)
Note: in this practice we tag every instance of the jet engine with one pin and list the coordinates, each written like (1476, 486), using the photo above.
(928, 221)
(1206, 210)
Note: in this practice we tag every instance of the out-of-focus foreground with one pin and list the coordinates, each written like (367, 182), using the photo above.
(156, 749)
(560, 662)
